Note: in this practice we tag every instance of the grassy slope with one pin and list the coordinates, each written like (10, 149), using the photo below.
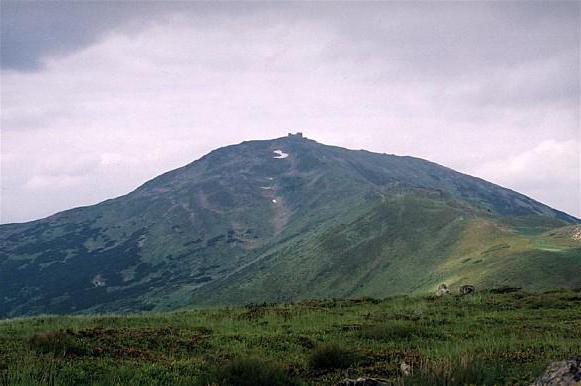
(482, 339)
(492, 254)
(382, 249)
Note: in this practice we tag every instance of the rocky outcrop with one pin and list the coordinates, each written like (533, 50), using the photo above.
(467, 290)
(576, 233)
(405, 369)
(563, 373)
(362, 382)
(442, 290)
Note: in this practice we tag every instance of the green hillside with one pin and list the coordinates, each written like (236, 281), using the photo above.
(406, 245)
(490, 338)
(285, 219)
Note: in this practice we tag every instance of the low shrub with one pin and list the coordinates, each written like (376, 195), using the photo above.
(460, 371)
(331, 356)
(504, 290)
(60, 343)
(399, 331)
(251, 371)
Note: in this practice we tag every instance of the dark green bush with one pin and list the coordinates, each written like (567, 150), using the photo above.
(504, 290)
(331, 356)
(462, 372)
(251, 372)
(60, 343)
(399, 331)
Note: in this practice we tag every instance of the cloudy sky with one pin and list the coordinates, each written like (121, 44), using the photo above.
(99, 97)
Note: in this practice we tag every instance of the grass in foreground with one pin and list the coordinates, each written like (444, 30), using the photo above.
(485, 339)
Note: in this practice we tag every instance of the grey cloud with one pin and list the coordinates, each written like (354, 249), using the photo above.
(433, 37)
(423, 41)
(34, 30)
(98, 97)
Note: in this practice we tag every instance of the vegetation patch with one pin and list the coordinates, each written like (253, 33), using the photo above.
(332, 356)
(59, 343)
(492, 338)
(504, 290)
(397, 331)
(496, 248)
(251, 371)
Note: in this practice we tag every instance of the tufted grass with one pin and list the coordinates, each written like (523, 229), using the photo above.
(489, 338)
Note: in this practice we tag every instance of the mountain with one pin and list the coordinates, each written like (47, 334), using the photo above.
(285, 219)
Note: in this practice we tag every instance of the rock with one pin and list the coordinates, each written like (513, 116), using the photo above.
(442, 290)
(362, 382)
(405, 369)
(576, 233)
(467, 290)
(564, 373)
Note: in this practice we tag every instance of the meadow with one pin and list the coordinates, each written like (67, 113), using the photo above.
(494, 337)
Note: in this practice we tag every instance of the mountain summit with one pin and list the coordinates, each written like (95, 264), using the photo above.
(285, 219)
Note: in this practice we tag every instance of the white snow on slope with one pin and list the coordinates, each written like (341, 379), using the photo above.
(280, 154)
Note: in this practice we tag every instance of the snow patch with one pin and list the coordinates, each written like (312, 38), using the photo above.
(280, 154)
(99, 281)
(141, 241)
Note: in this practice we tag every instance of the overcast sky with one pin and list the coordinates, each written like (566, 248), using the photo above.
(97, 98)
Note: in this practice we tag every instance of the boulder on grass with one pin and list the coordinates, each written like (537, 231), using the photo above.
(362, 382)
(563, 373)
(442, 290)
(405, 369)
(467, 290)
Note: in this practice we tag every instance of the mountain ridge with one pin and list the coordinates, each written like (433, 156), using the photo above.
(563, 214)
(222, 228)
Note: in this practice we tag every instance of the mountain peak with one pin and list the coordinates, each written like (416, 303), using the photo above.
(236, 224)
(297, 135)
